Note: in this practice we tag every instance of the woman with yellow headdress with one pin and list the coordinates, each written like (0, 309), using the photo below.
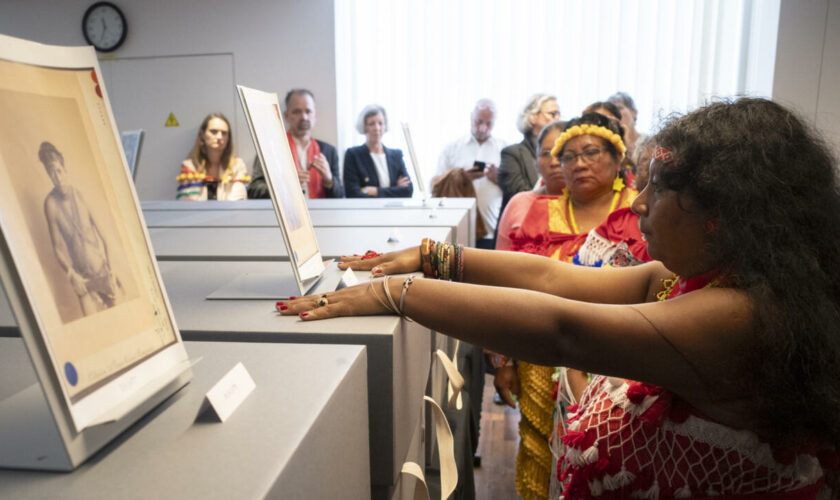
(591, 224)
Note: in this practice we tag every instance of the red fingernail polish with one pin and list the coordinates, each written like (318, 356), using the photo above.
(292, 298)
(279, 303)
(304, 314)
(283, 308)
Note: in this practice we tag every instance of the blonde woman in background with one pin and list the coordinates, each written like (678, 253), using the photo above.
(212, 172)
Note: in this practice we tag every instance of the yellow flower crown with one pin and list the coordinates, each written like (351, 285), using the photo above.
(589, 129)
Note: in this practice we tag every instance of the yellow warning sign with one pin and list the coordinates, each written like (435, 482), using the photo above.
(172, 121)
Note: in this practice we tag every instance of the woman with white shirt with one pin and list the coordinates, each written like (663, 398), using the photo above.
(372, 170)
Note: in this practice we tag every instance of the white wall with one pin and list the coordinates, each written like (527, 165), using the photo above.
(808, 63)
(273, 44)
(278, 44)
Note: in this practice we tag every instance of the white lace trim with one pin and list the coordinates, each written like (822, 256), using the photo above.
(595, 248)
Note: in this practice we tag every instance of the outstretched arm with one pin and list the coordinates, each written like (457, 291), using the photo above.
(685, 344)
(520, 270)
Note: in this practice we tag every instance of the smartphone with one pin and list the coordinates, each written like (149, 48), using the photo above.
(479, 166)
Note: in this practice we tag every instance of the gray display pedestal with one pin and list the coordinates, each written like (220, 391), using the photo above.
(302, 433)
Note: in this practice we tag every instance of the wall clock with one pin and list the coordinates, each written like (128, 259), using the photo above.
(104, 26)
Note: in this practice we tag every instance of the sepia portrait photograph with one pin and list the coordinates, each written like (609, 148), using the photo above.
(70, 220)
(73, 231)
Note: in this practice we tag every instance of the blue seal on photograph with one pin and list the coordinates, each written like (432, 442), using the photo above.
(70, 373)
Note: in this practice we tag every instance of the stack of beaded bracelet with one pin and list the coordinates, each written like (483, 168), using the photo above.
(442, 260)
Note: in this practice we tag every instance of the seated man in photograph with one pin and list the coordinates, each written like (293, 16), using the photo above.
(76, 239)
(469, 167)
(316, 161)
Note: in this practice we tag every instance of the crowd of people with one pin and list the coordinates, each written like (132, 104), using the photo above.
(672, 332)
(696, 316)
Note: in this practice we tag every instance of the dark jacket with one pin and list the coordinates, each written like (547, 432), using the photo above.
(259, 189)
(359, 172)
(518, 171)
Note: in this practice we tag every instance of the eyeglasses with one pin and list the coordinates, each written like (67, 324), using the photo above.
(588, 156)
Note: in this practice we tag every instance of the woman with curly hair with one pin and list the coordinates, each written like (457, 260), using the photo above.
(721, 358)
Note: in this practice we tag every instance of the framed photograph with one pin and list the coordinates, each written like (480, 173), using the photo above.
(132, 141)
(265, 121)
(77, 261)
(412, 154)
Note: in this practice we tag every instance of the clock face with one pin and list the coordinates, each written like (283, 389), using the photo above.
(104, 26)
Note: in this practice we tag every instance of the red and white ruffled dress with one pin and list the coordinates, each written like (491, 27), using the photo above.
(628, 439)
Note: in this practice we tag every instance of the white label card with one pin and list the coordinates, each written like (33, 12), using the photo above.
(349, 278)
(229, 392)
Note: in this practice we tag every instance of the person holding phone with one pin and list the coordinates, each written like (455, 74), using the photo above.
(720, 358)
(476, 158)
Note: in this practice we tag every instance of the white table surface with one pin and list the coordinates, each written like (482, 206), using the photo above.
(398, 351)
(313, 204)
(457, 220)
(266, 243)
(302, 433)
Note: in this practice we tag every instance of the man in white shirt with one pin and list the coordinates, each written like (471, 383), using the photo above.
(468, 153)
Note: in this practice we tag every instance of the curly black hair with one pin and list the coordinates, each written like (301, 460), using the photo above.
(770, 184)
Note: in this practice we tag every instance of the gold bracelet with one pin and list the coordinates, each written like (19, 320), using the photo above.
(426, 257)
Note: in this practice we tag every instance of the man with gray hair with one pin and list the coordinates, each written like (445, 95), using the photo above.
(316, 161)
(476, 157)
(627, 106)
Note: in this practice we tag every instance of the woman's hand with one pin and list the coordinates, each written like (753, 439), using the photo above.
(367, 299)
(507, 383)
(402, 262)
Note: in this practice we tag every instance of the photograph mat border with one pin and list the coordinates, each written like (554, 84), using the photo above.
(87, 411)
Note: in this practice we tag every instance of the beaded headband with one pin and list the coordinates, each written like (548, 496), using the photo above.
(589, 129)
(662, 154)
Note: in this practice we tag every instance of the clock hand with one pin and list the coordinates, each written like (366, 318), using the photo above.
(104, 26)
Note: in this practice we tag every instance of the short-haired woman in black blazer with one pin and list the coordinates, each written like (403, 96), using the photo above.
(372, 170)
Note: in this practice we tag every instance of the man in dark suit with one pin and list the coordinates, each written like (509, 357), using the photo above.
(316, 161)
